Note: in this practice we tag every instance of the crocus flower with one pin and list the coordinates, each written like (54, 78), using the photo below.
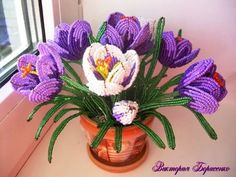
(38, 76)
(176, 52)
(204, 85)
(126, 33)
(108, 70)
(125, 111)
(70, 41)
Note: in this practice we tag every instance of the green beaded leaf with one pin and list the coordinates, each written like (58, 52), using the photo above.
(72, 71)
(92, 39)
(36, 108)
(173, 81)
(48, 115)
(98, 138)
(118, 138)
(165, 103)
(167, 126)
(56, 133)
(157, 45)
(101, 31)
(63, 112)
(157, 140)
(74, 84)
(210, 131)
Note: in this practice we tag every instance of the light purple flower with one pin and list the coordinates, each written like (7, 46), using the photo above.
(176, 52)
(39, 76)
(126, 33)
(204, 85)
(125, 111)
(70, 41)
(108, 70)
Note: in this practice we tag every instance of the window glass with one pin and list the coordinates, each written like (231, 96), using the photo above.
(19, 32)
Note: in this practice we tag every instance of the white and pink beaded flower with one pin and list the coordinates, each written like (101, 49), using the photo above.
(125, 111)
(108, 70)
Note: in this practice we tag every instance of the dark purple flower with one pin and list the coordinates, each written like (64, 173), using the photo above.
(70, 41)
(39, 76)
(127, 33)
(176, 52)
(204, 85)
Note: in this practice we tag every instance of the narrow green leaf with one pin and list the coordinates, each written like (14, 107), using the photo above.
(92, 39)
(156, 80)
(101, 31)
(118, 138)
(210, 131)
(47, 116)
(75, 84)
(171, 102)
(167, 126)
(102, 105)
(71, 90)
(63, 112)
(98, 138)
(56, 133)
(36, 108)
(159, 31)
(173, 81)
(157, 140)
(71, 71)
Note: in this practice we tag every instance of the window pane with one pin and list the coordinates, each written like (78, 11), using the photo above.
(18, 32)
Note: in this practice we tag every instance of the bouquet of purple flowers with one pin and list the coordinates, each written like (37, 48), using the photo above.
(122, 88)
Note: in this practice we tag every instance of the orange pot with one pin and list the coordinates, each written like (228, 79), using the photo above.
(134, 146)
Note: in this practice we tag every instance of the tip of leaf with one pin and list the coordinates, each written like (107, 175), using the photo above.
(50, 160)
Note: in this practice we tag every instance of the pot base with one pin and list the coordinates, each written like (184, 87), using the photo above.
(119, 167)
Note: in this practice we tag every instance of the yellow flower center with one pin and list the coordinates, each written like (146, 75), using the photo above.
(27, 70)
(102, 66)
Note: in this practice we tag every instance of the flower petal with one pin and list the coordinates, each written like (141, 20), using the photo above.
(23, 85)
(208, 85)
(46, 49)
(132, 68)
(114, 18)
(111, 36)
(45, 90)
(61, 35)
(25, 59)
(195, 71)
(202, 101)
(128, 28)
(47, 68)
(185, 60)
(78, 39)
(184, 47)
(168, 49)
(61, 51)
(125, 111)
(143, 36)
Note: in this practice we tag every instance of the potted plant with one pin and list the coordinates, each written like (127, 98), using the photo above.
(122, 94)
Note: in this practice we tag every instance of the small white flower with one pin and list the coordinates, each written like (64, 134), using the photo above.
(125, 111)
(108, 70)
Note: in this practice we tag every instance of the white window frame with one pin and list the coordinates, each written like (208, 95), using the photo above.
(13, 106)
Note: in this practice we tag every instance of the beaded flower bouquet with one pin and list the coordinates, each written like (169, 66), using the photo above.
(122, 94)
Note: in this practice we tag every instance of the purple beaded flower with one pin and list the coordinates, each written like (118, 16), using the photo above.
(204, 85)
(176, 52)
(70, 41)
(39, 76)
(127, 33)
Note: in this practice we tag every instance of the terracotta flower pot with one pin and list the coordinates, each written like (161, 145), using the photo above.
(134, 146)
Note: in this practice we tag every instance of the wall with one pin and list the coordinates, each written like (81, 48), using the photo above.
(210, 24)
